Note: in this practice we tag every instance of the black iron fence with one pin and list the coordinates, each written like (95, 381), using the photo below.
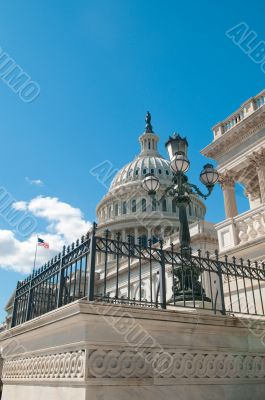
(140, 274)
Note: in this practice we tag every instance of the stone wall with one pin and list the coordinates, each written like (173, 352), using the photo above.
(96, 351)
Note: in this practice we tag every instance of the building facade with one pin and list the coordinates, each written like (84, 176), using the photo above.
(238, 147)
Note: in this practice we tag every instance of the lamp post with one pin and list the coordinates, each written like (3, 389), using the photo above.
(180, 190)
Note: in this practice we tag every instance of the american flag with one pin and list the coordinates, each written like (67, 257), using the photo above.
(42, 243)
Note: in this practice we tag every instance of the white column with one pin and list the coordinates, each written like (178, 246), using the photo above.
(261, 176)
(123, 235)
(253, 198)
(258, 160)
(227, 182)
(149, 233)
(136, 234)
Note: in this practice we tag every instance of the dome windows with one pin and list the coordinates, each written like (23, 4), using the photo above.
(134, 206)
(124, 207)
(174, 206)
(143, 205)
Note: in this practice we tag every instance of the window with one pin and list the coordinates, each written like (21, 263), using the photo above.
(133, 206)
(137, 172)
(152, 171)
(160, 171)
(143, 241)
(164, 205)
(124, 207)
(109, 212)
(167, 173)
(154, 239)
(153, 204)
(190, 209)
(144, 171)
(143, 205)
(174, 206)
(116, 210)
(149, 144)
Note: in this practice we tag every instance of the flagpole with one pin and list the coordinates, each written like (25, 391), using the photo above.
(35, 255)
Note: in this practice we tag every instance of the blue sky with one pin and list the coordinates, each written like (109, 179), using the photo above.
(100, 66)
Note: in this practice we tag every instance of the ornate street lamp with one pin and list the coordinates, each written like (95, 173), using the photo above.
(180, 190)
(151, 184)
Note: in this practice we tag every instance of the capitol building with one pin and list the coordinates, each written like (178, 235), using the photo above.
(129, 210)
(154, 301)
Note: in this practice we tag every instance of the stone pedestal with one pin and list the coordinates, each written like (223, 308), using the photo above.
(90, 351)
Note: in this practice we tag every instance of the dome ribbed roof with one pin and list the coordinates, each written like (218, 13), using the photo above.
(139, 167)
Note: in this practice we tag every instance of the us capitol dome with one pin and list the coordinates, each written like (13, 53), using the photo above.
(129, 210)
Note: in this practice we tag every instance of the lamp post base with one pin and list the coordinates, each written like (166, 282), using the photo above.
(190, 296)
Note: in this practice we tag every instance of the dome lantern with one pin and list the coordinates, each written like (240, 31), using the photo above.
(149, 139)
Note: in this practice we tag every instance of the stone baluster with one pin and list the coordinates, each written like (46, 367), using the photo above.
(242, 231)
(251, 231)
(259, 224)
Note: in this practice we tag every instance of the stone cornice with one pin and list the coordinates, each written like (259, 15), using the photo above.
(257, 159)
(236, 135)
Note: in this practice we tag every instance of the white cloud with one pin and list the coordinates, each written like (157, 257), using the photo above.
(65, 224)
(37, 182)
(20, 205)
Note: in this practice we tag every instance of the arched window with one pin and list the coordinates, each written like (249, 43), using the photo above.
(153, 204)
(164, 205)
(143, 205)
(174, 206)
(196, 214)
(124, 207)
(149, 145)
(116, 210)
(133, 206)
(109, 212)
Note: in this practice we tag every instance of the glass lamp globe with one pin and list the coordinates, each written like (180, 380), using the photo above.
(179, 162)
(209, 176)
(151, 184)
